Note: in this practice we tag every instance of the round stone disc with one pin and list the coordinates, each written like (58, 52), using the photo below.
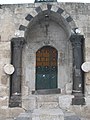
(86, 66)
(9, 69)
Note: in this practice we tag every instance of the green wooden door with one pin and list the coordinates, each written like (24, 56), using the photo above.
(46, 68)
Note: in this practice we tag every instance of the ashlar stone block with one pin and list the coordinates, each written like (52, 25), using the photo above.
(4, 46)
(69, 88)
(54, 8)
(4, 79)
(3, 91)
(47, 114)
(65, 101)
(87, 99)
(4, 101)
(49, 105)
(44, 7)
(87, 77)
(29, 103)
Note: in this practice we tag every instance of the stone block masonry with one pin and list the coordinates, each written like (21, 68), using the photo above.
(29, 21)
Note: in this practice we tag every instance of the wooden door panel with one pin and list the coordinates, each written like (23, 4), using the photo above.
(46, 68)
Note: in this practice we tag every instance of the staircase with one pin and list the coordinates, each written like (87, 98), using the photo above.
(49, 107)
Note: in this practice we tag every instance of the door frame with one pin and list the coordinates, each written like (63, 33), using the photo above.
(53, 68)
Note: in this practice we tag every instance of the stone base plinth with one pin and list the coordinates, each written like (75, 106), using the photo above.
(78, 101)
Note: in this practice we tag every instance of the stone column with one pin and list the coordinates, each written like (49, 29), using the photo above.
(78, 78)
(16, 60)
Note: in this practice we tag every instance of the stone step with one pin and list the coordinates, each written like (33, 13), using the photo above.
(85, 118)
(25, 116)
(47, 114)
(49, 105)
(54, 101)
(68, 115)
(72, 118)
(6, 118)
(47, 98)
(47, 101)
(42, 114)
(47, 91)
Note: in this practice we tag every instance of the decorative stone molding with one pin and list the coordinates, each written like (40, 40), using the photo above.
(49, 7)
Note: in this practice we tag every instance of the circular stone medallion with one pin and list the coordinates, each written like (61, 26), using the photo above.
(9, 69)
(86, 66)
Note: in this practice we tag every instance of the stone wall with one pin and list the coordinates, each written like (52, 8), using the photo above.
(11, 17)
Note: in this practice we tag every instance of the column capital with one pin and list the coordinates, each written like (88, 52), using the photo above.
(77, 40)
(18, 42)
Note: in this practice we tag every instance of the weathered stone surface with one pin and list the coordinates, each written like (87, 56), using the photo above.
(58, 10)
(29, 103)
(69, 88)
(47, 98)
(4, 101)
(65, 101)
(4, 46)
(19, 33)
(87, 99)
(72, 118)
(8, 26)
(44, 7)
(12, 16)
(4, 112)
(3, 90)
(25, 116)
(49, 105)
(14, 112)
(4, 79)
(88, 79)
(47, 114)
(47, 101)
(82, 111)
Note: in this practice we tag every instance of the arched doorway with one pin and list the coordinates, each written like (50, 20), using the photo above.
(46, 68)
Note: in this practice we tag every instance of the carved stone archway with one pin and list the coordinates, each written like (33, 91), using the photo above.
(57, 14)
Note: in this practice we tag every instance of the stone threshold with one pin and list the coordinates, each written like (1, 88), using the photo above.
(46, 91)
